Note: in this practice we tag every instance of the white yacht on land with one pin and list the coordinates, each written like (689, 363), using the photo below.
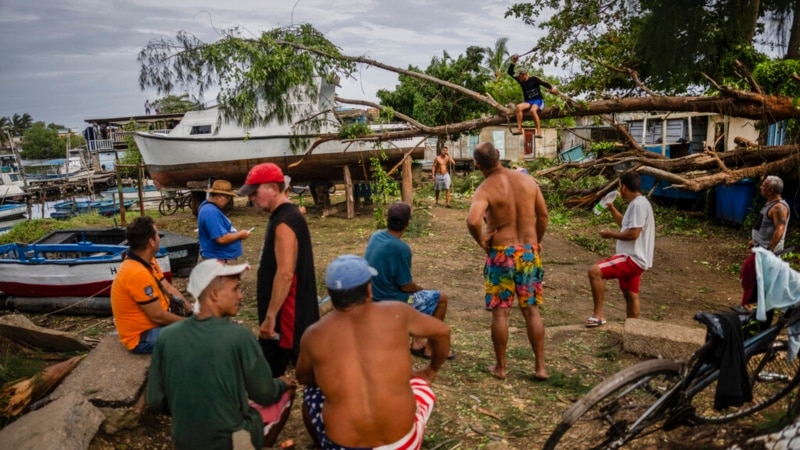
(203, 147)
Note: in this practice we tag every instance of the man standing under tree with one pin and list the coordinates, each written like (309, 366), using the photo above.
(441, 175)
(531, 92)
(769, 231)
(516, 217)
(286, 285)
(636, 241)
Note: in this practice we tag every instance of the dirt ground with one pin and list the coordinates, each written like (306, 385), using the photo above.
(693, 271)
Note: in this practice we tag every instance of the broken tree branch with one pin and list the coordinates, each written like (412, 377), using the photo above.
(631, 73)
(749, 76)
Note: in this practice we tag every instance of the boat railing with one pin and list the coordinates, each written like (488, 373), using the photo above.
(101, 144)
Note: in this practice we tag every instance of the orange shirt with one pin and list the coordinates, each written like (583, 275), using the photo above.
(133, 286)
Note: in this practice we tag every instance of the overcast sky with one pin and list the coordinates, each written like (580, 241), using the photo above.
(69, 60)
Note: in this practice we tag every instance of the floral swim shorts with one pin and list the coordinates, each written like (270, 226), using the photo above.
(513, 269)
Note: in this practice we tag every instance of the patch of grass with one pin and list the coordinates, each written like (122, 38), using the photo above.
(594, 244)
(573, 385)
(659, 314)
(18, 366)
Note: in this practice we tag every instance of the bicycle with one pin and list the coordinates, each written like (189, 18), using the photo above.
(174, 200)
(663, 394)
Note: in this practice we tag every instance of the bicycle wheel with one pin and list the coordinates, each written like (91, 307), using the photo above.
(602, 419)
(771, 376)
(168, 206)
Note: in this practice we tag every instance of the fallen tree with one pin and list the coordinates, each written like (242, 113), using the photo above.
(282, 59)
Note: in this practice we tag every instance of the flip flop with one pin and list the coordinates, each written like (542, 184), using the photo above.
(516, 133)
(594, 322)
(538, 136)
(420, 352)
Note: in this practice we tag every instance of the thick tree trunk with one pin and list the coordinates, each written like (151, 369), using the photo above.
(793, 49)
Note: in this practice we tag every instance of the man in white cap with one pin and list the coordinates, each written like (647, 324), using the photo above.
(287, 285)
(219, 239)
(205, 371)
(361, 389)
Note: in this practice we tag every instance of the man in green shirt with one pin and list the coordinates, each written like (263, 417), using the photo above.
(205, 371)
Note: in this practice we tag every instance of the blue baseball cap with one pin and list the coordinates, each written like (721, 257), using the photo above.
(347, 272)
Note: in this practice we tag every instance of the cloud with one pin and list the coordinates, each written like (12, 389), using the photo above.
(70, 60)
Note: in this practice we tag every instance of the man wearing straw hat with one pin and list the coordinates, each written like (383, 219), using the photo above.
(219, 239)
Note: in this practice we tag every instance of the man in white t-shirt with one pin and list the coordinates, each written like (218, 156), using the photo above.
(634, 254)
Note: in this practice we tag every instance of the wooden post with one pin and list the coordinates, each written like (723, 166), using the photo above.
(348, 192)
(121, 196)
(140, 176)
(406, 188)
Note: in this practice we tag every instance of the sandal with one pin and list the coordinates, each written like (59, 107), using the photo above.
(594, 322)
(420, 352)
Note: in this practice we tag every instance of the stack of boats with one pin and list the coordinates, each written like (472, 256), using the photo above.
(72, 270)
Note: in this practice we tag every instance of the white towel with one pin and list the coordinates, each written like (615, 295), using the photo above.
(778, 286)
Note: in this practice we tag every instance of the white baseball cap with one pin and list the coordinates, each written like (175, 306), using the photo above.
(204, 273)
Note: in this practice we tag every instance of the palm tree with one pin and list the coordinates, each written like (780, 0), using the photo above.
(20, 123)
(497, 58)
(5, 125)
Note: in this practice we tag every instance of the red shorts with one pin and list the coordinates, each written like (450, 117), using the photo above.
(623, 268)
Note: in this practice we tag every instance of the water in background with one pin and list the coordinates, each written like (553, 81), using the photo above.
(36, 213)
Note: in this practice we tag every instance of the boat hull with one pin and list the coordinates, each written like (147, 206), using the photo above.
(66, 277)
(175, 161)
(10, 210)
(183, 251)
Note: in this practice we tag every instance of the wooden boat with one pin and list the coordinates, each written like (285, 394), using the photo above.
(56, 170)
(203, 146)
(83, 206)
(183, 251)
(63, 270)
(149, 192)
(10, 209)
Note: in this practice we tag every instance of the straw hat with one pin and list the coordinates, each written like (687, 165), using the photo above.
(222, 187)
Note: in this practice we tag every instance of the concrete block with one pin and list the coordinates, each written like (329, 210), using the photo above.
(113, 379)
(660, 339)
(69, 423)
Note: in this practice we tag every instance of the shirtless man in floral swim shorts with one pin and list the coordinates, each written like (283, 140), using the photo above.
(513, 208)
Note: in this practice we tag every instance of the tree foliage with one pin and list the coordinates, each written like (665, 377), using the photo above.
(434, 104)
(42, 142)
(669, 43)
(260, 79)
(172, 104)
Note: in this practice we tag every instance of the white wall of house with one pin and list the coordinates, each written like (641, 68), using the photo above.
(511, 147)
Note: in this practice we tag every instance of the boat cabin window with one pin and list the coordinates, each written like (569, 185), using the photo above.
(201, 129)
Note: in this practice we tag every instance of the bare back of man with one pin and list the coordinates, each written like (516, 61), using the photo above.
(512, 207)
(361, 363)
(510, 217)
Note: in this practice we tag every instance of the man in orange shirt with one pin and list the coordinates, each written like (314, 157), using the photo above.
(139, 294)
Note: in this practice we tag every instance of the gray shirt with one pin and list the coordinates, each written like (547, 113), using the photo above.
(763, 235)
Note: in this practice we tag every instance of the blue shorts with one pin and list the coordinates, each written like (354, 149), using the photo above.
(425, 301)
(537, 101)
(147, 341)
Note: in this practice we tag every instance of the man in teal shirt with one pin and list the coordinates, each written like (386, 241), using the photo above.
(391, 257)
(205, 371)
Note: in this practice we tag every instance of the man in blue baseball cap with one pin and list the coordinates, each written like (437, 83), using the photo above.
(355, 364)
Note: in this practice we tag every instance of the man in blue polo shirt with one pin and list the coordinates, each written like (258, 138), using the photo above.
(219, 239)
(391, 257)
